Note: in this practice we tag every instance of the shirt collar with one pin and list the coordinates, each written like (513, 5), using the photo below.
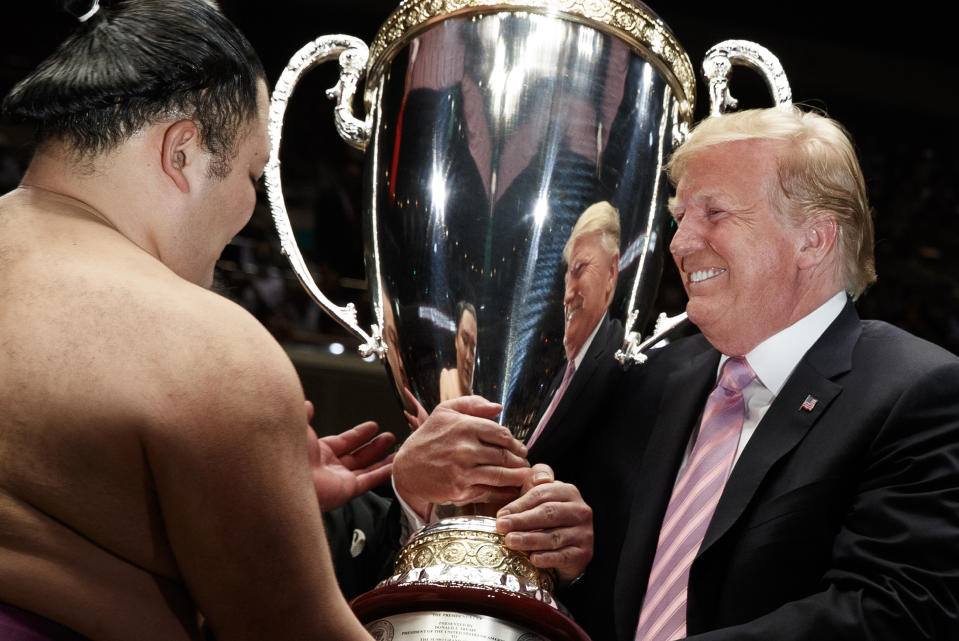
(775, 358)
(578, 359)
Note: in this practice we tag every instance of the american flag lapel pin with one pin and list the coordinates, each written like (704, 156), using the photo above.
(809, 404)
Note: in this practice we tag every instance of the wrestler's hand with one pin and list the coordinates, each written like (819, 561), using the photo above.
(551, 522)
(459, 456)
(417, 419)
(348, 464)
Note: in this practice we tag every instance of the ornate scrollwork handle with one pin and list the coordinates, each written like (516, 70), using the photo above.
(353, 55)
(719, 61)
(633, 350)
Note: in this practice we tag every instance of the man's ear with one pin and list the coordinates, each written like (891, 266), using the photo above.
(179, 151)
(818, 241)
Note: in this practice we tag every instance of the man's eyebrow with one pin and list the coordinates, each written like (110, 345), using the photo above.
(671, 205)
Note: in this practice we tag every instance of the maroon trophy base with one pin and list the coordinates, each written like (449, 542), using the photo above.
(520, 610)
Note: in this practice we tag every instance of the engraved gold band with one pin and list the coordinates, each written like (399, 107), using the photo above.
(621, 18)
(471, 548)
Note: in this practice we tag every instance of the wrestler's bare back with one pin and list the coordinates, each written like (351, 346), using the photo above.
(150, 438)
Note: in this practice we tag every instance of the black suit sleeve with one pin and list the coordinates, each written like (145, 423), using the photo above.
(894, 567)
(364, 538)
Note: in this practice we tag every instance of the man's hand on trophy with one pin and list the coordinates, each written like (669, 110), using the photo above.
(347, 464)
(460, 456)
(551, 522)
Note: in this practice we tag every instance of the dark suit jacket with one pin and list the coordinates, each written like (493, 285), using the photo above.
(575, 416)
(837, 523)
(576, 444)
(364, 538)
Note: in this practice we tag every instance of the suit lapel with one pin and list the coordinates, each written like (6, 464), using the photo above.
(683, 396)
(557, 423)
(787, 421)
(597, 350)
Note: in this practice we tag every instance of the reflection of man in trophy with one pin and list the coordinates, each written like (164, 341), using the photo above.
(459, 381)
(590, 338)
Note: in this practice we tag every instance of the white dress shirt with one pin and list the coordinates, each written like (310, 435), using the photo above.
(775, 358)
(773, 361)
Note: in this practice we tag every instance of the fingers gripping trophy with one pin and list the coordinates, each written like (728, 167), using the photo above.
(490, 126)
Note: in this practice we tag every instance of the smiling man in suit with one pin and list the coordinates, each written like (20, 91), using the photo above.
(590, 337)
(800, 480)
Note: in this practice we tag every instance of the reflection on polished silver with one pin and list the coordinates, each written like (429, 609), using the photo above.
(353, 54)
(718, 63)
(491, 133)
(447, 626)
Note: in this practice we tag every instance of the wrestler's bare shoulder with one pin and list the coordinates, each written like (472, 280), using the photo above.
(112, 365)
(81, 287)
(102, 343)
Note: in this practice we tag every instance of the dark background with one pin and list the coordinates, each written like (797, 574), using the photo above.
(889, 75)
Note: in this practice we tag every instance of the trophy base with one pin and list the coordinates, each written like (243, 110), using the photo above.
(443, 626)
(427, 612)
(457, 581)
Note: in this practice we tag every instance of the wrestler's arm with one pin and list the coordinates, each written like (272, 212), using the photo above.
(233, 480)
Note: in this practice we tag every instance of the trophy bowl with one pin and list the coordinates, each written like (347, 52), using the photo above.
(491, 125)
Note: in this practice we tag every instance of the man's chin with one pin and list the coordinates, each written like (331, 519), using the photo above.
(572, 349)
(699, 311)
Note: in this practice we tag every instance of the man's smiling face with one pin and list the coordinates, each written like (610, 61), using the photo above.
(736, 253)
(590, 280)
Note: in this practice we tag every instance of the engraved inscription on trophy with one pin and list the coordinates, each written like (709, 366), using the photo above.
(447, 626)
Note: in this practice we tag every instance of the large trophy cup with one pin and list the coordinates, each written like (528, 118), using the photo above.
(491, 126)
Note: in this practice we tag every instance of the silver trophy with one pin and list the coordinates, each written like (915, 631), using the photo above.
(490, 126)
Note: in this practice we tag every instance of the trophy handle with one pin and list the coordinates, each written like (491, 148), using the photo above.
(633, 350)
(353, 55)
(719, 61)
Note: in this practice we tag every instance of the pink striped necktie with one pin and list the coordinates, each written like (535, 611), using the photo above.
(570, 370)
(691, 507)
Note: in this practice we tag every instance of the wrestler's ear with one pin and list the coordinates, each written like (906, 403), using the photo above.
(818, 240)
(179, 152)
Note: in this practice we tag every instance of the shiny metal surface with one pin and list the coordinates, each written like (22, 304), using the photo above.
(490, 135)
(629, 21)
(718, 63)
(468, 550)
(634, 347)
(352, 54)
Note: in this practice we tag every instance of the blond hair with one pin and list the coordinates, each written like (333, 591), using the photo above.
(599, 218)
(819, 174)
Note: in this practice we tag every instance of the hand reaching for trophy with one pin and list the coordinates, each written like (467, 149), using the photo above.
(347, 464)
(458, 456)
